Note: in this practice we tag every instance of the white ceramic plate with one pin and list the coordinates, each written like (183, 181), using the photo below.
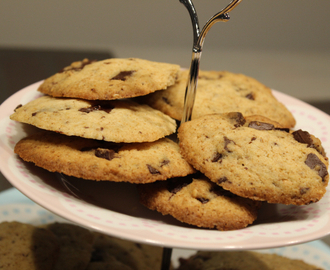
(113, 208)
(14, 206)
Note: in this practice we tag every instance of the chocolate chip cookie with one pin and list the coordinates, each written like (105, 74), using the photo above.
(115, 121)
(247, 260)
(110, 79)
(197, 201)
(24, 246)
(76, 245)
(256, 159)
(99, 160)
(122, 253)
(220, 92)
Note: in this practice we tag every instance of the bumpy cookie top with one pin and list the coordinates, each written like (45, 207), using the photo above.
(256, 159)
(247, 260)
(109, 79)
(115, 121)
(99, 160)
(219, 92)
(197, 201)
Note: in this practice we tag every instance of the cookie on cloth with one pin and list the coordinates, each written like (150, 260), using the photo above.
(126, 254)
(197, 201)
(109, 79)
(247, 260)
(99, 160)
(220, 92)
(115, 121)
(23, 246)
(76, 245)
(256, 159)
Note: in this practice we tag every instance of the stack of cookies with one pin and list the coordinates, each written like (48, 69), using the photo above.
(64, 246)
(116, 120)
(242, 260)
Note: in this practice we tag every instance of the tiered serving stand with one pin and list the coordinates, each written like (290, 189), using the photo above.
(114, 208)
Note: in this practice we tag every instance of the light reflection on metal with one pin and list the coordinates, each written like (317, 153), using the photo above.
(199, 38)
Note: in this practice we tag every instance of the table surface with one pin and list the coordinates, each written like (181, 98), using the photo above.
(22, 67)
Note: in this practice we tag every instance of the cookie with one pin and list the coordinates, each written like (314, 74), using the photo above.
(110, 79)
(220, 92)
(76, 246)
(115, 121)
(256, 160)
(111, 264)
(247, 260)
(23, 246)
(99, 160)
(136, 256)
(197, 201)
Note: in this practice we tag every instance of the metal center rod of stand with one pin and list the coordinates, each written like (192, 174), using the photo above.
(199, 37)
(166, 261)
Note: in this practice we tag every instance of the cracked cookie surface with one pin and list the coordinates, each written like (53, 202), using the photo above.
(99, 160)
(256, 159)
(197, 201)
(110, 79)
(115, 121)
(220, 92)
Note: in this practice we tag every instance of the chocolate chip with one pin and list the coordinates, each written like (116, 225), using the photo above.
(228, 141)
(34, 114)
(287, 130)
(303, 190)
(99, 107)
(17, 107)
(97, 255)
(250, 96)
(166, 100)
(217, 157)
(238, 118)
(252, 139)
(122, 76)
(108, 154)
(222, 180)
(315, 163)
(203, 200)
(261, 125)
(303, 137)
(164, 162)
(174, 185)
(152, 170)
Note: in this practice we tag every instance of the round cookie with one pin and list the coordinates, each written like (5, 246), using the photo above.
(110, 79)
(110, 250)
(247, 260)
(220, 92)
(197, 201)
(23, 246)
(256, 160)
(115, 121)
(99, 160)
(76, 246)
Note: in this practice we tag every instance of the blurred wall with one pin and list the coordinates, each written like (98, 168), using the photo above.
(280, 24)
(258, 34)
